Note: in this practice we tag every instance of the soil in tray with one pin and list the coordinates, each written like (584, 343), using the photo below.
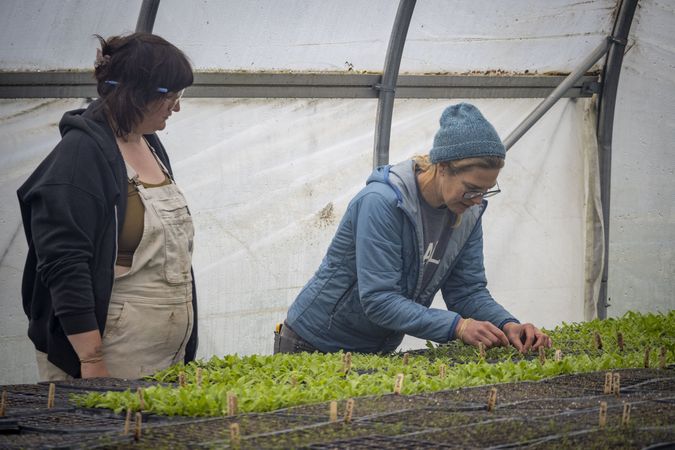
(324, 434)
(50, 440)
(365, 406)
(213, 432)
(594, 382)
(506, 392)
(376, 442)
(612, 438)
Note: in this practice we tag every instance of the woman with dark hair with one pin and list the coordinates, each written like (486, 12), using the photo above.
(414, 230)
(108, 286)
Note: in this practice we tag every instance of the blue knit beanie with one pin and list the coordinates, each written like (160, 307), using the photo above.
(465, 133)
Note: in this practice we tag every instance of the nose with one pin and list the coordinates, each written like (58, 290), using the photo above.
(176, 106)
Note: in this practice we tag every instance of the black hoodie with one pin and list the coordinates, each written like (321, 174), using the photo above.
(72, 211)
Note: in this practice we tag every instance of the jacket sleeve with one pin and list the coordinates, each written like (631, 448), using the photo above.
(465, 291)
(379, 265)
(65, 220)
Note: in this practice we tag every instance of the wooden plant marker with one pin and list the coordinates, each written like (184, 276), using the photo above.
(602, 419)
(181, 379)
(198, 376)
(648, 349)
(616, 384)
(235, 436)
(398, 384)
(492, 399)
(619, 340)
(625, 419)
(294, 380)
(139, 423)
(598, 341)
(542, 355)
(442, 370)
(231, 404)
(558, 355)
(481, 349)
(333, 411)
(127, 422)
(3, 403)
(347, 363)
(50, 398)
(662, 358)
(349, 410)
(141, 399)
(406, 358)
(608, 383)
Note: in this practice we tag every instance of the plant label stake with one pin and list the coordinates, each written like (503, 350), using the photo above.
(542, 355)
(616, 384)
(231, 404)
(235, 437)
(139, 422)
(198, 376)
(625, 419)
(619, 340)
(141, 399)
(662, 358)
(127, 422)
(349, 410)
(441, 371)
(492, 399)
(3, 403)
(346, 363)
(50, 398)
(181, 379)
(647, 350)
(398, 384)
(294, 380)
(598, 341)
(608, 383)
(406, 357)
(558, 355)
(481, 350)
(333, 411)
(602, 420)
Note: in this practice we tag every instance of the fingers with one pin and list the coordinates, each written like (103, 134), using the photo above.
(485, 333)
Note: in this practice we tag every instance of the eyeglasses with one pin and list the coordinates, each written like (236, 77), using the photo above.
(470, 195)
(163, 90)
(174, 101)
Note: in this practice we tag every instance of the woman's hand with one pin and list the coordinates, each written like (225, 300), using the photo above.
(473, 332)
(525, 337)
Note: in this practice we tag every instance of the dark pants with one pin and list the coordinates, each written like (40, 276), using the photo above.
(287, 341)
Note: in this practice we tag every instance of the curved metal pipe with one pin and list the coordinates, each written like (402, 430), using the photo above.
(387, 87)
(607, 103)
(146, 17)
(557, 94)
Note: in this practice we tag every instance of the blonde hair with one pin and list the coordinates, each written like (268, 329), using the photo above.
(423, 164)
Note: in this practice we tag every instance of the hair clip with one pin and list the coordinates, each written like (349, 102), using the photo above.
(163, 90)
(111, 82)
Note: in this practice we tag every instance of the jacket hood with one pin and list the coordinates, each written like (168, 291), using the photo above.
(92, 122)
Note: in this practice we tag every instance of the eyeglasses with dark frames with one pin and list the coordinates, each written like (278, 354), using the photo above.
(470, 195)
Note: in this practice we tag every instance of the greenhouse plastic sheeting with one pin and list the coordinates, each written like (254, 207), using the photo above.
(267, 182)
(304, 35)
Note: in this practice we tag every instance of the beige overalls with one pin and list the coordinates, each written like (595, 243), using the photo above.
(150, 316)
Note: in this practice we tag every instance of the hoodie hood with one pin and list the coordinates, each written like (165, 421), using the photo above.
(93, 123)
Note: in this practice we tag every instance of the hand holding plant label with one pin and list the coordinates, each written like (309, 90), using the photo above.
(525, 337)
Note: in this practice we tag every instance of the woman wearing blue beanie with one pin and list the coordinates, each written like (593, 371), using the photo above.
(413, 230)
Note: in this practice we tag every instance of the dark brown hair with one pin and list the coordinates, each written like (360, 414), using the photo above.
(137, 65)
